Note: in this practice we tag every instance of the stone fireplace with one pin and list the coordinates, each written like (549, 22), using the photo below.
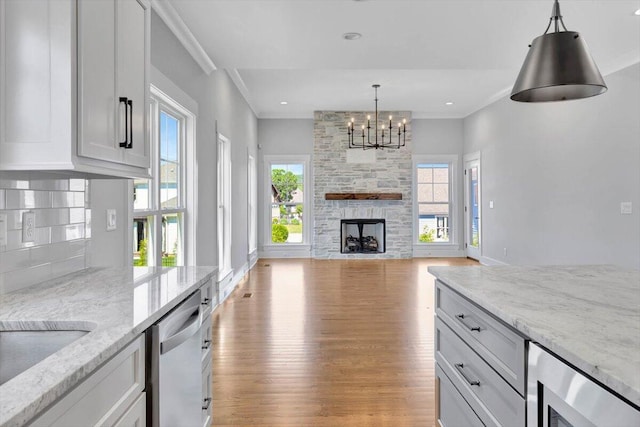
(338, 169)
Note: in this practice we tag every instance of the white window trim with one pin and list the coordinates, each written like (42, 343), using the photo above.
(453, 245)
(224, 201)
(305, 246)
(252, 205)
(173, 97)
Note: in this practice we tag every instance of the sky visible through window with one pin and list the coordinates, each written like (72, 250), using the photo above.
(168, 137)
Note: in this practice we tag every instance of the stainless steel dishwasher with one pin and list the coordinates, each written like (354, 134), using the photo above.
(175, 380)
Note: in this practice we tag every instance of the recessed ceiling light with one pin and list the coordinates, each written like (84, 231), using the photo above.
(638, 12)
(448, 103)
(283, 102)
(351, 36)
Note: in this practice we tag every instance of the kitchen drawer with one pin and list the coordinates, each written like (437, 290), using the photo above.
(497, 343)
(209, 297)
(207, 395)
(136, 415)
(453, 410)
(492, 398)
(205, 334)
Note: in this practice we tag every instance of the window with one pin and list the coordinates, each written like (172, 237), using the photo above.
(224, 207)
(434, 219)
(159, 204)
(287, 194)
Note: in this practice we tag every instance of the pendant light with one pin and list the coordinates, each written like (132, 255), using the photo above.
(558, 67)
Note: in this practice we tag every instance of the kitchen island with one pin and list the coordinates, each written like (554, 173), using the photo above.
(115, 305)
(588, 316)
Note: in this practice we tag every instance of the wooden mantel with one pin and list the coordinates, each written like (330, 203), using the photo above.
(363, 196)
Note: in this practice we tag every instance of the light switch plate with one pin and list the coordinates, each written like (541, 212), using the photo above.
(3, 230)
(490, 204)
(28, 227)
(111, 220)
(626, 208)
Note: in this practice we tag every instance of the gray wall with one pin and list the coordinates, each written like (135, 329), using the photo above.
(221, 104)
(557, 173)
(438, 136)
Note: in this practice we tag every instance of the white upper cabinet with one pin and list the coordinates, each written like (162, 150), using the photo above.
(74, 86)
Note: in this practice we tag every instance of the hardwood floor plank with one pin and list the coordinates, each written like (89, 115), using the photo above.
(327, 343)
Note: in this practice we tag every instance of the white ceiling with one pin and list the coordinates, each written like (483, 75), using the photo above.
(423, 52)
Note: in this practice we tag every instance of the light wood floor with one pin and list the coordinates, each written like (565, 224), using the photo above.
(327, 343)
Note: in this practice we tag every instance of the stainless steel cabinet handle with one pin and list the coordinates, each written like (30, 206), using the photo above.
(461, 318)
(460, 367)
(207, 403)
(207, 344)
(206, 301)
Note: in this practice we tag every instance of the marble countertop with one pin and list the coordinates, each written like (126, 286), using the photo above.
(587, 315)
(115, 304)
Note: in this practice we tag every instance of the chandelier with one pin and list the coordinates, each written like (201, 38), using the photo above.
(383, 139)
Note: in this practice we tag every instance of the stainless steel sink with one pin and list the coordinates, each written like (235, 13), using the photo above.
(23, 346)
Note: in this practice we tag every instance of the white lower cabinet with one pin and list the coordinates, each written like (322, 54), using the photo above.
(207, 395)
(111, 396)
(209, 302)
(480, 365)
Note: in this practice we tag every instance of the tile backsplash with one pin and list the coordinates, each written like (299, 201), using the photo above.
(62, 238)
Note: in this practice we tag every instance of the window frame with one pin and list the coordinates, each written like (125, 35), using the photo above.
(161, 102)
(269, 161)
(453, 161)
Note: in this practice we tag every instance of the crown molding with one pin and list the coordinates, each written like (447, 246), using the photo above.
(237, 80)
(170, 16)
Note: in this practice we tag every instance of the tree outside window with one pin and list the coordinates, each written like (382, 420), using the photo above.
(287, 201)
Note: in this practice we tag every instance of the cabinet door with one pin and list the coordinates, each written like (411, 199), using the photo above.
(136, 415)
(35, 84)
(207, 395)
(133, 32)
(97, 104)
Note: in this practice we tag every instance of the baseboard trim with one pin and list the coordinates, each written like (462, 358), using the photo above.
(253, 259)
(286, 252)
(485, 260)
(230, 285)
(434, 252)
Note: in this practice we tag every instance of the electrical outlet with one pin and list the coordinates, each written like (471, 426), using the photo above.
(28, 227)
(626, 208)
(505, 252)
(490, 204)
(3, 230)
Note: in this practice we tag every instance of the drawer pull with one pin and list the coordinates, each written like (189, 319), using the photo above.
(460, 367)
(461, 318)
(206, 404)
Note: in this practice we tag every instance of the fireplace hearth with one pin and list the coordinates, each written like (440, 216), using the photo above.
(362, 236)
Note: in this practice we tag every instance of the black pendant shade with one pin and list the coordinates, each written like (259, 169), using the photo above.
(558, 67)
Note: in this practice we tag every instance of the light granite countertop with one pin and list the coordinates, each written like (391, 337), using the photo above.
(587, 315)
(115, 304)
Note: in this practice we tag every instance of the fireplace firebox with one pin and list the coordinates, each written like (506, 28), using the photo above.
(363, 236)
